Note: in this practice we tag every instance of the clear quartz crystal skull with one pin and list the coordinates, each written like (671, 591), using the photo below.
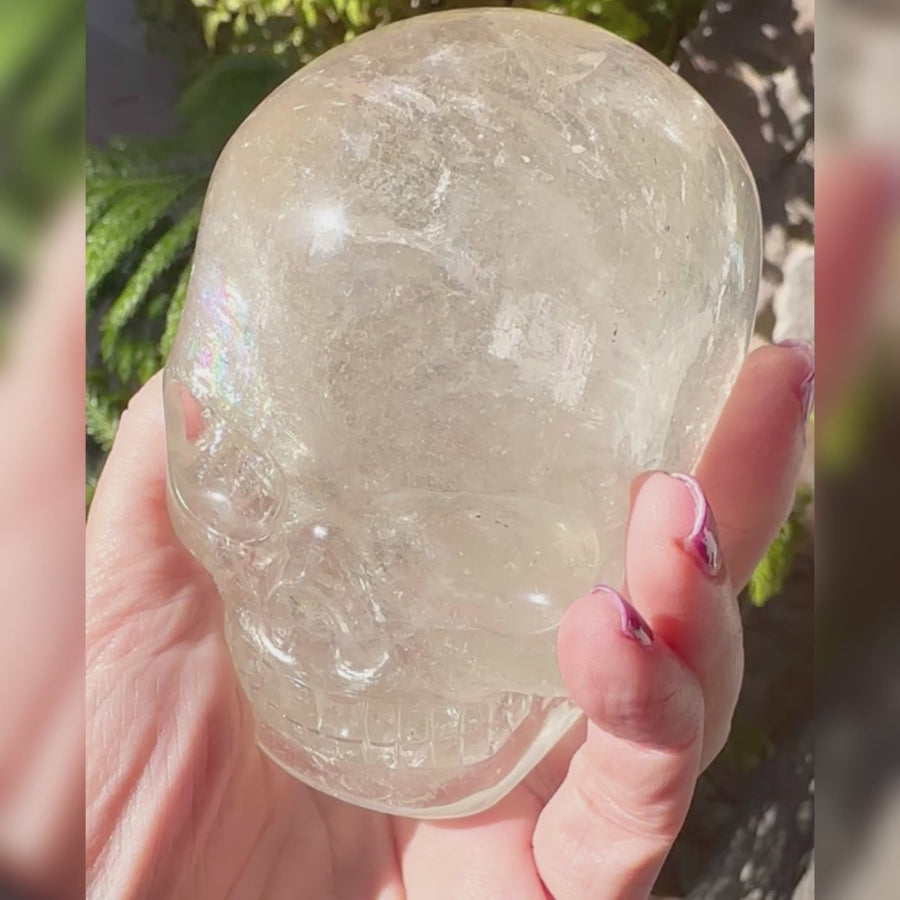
(456, 283)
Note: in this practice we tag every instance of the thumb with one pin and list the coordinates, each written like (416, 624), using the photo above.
(612, 822)
(136, 566)
(609, 827)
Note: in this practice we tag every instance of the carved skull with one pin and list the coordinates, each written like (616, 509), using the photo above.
(456, 283)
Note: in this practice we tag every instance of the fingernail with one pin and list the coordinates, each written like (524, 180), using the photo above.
(807, 387)
(703, 541)
(633, 625)
(807, 394)
(801, 347)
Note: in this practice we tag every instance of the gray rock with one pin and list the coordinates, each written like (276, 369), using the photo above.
(806, 890)
(752, 61)
(794, 301)
(770, 845)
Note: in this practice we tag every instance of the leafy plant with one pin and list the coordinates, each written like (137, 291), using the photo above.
(304, 28)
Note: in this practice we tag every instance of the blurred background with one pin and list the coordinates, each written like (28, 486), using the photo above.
(42, 137)
(858, 485)
(169, 80)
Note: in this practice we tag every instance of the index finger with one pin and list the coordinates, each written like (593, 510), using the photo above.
(751, 462)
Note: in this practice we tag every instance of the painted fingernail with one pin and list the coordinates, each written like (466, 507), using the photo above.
(703, 541)
(807, 387)
(633, 625)
(807, 394)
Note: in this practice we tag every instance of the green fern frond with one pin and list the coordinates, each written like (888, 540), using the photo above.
(124, 364)
(147, 361)
(135, 360)
(129, 218)
(98, 195)
(158, 260)
(173, 314)
(102, 188)
(157, 306)
(143, 160)
(100, 419)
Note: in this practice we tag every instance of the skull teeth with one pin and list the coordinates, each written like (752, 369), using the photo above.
(400, 734)
(393, 734)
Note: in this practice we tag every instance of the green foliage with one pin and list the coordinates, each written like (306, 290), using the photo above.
(100, 417)
(42, 109)
(770, 573)
(117, 230)
(305, 28)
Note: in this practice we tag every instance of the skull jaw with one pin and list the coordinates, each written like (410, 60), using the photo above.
(404, 753)
(420, 788)
(410, 751)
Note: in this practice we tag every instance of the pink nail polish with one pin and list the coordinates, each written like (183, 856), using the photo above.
(703, 541)
(808, 385)
(633, 625)
(807, 394)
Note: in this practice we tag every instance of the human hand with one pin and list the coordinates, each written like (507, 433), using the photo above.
(181, 802)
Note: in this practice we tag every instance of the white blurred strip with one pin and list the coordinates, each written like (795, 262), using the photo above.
(858, 75)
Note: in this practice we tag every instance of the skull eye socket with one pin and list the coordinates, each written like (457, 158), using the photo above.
(220, 477)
